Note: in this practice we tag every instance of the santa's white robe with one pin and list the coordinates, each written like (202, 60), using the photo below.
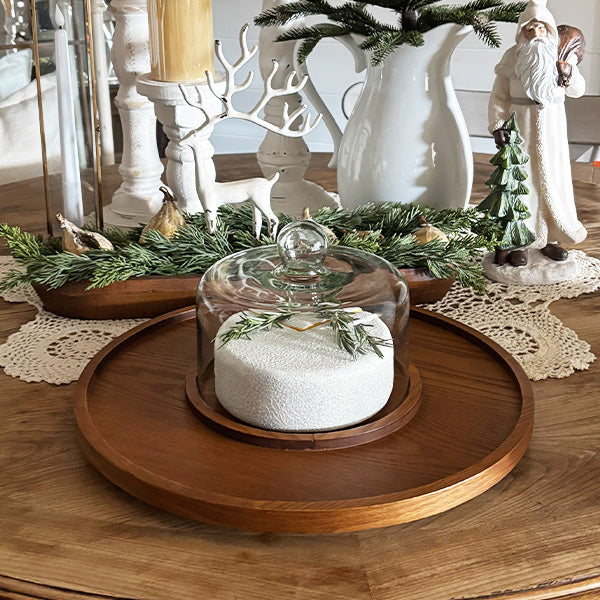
(544, 129)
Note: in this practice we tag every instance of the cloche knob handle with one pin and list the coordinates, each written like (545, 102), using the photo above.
(302, 246)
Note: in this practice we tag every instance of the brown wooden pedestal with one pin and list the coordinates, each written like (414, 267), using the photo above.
(473, 426)
(399, 410)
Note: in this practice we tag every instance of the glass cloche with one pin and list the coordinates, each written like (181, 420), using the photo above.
(302, 336)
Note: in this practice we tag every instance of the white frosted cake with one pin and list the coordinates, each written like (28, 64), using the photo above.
(297, 378)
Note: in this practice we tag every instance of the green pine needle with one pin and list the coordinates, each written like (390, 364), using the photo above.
(379, 38)
(352, 336)
(251, 322)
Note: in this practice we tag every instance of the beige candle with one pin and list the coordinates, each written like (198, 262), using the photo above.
(181, 39)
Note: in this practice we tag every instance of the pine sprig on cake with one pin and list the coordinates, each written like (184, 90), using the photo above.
(351, 335)
(412, 19)
(252, 322)
(385, 229)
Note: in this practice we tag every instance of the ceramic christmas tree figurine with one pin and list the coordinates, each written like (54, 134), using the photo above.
(505, 202)
(532, 80)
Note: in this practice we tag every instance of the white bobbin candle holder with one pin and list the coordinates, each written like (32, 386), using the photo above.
(138, 198)
(288, 156)
(178, 119)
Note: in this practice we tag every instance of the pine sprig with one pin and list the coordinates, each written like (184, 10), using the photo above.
(350, 335)
(380, 38)
(20, 243)
(252, 322)
(54, 270)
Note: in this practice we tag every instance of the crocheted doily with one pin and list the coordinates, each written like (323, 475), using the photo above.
(52, 348)
(56, 349)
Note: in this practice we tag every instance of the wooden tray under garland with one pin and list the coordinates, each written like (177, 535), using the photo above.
(473, 426)
(146, 297)
(140, 297)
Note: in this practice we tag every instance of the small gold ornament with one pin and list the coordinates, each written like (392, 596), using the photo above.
(78, 241)
(428, 233)
(306, 217)
(168, 219)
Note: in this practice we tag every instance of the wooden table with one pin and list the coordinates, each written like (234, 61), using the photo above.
(66, 532)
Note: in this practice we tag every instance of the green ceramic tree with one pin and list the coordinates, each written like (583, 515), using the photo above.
(504, 204)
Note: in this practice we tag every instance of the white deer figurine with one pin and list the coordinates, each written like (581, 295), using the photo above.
(257, 190)
(213, 194)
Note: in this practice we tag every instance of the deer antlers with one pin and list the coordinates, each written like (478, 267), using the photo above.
(229, 112)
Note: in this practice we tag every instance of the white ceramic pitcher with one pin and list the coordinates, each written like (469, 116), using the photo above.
(406, 139)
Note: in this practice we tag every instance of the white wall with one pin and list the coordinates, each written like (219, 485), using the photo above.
(332, 71)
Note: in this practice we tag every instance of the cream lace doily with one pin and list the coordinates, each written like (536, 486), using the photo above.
(52, 348)
(519, 319)
(56, 349)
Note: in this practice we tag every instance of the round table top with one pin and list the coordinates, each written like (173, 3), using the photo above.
(66, 532)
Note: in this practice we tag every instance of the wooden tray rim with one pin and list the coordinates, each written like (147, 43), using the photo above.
(517, 442)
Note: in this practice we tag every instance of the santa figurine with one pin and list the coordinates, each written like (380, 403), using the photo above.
(532, 80)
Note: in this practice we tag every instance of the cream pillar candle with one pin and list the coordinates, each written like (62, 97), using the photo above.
(181, 39)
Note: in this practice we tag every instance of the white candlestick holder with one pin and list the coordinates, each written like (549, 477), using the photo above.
(138, 198)
(178, 119)
(288, 156)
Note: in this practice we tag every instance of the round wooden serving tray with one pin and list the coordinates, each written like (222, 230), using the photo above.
(473, 426)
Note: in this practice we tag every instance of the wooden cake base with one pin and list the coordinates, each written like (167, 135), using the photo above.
(473, 426)
(399, 410)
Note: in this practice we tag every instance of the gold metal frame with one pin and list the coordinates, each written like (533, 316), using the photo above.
(96, 115)
(36, 55)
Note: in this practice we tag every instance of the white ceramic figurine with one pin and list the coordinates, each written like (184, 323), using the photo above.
(532, 80)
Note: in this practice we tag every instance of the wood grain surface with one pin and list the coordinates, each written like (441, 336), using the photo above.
(67, 533)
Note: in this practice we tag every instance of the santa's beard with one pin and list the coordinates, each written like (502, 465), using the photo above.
(536, 68)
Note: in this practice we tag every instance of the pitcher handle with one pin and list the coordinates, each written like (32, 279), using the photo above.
(360, 64)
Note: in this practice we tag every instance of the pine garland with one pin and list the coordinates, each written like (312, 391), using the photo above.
(384, 229)
(413, 19)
